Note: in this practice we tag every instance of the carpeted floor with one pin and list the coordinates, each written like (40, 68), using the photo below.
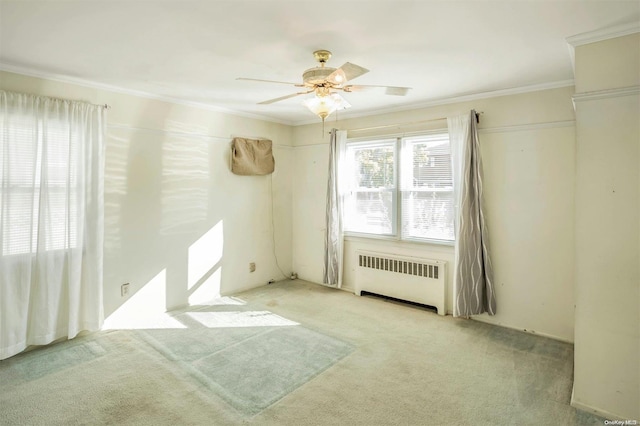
(295, 353)
(249, 358)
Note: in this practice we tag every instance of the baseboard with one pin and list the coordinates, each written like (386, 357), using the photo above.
(348, 289)
(524, 330)
(480, 319)
(589, 409)
(243, 288)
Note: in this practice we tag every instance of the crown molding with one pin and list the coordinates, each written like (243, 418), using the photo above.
(606, 94)
(344, 116)
(603, 34)
(142, 94)
(596, 36)
(454, 100)
(529, 127)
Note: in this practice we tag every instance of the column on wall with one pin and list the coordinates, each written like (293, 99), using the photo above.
(607, 221)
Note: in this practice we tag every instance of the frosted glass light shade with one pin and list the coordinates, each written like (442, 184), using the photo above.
(321, 106)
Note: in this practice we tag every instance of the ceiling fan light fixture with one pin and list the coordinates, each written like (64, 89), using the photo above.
(322, 106)
(339, 77)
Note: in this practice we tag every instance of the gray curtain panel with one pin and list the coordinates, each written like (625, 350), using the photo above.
(333, 244)
(473, 289)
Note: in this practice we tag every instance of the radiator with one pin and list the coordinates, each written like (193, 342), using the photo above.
(401, 277)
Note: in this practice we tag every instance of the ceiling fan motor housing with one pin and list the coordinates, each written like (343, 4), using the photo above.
(317, 75)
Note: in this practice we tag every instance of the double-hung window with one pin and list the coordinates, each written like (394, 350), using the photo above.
(399, 188)
(371, 187)
(38, 168)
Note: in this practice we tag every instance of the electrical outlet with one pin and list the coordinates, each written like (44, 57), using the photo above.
(124, 289)
(252, 267)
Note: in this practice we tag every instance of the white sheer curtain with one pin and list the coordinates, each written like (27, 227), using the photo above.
(334, 238)
(473, 290)
(51, 219)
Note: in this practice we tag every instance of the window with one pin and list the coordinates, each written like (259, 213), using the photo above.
(371, 187)
(38, 193)
(400, 188)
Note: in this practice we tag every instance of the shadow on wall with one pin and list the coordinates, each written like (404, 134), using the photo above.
(164, 203)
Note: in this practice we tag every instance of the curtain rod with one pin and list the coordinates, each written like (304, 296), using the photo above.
(408, 124)
(105, 106)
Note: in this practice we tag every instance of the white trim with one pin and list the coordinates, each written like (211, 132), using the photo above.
(596, 36)
(485, 319)
(283, 146)
(360, 237)
(592, 410)
(572, 58)
(527, 127)
(453, 100)
(604, 34)
(399, 134)
(146, 95)
(503, 129)
(344, 116)
(605, 94)
(185, 134)
(310, 145)
(235, 291)
(167, 132)
(347, 289)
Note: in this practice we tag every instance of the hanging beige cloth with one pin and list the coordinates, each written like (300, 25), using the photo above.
(251, 157)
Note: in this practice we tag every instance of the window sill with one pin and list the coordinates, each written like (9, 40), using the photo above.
(365, 238)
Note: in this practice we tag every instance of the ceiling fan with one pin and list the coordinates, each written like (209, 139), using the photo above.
(325, 82)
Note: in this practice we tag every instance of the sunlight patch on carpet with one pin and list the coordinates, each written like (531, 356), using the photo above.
(240, 319)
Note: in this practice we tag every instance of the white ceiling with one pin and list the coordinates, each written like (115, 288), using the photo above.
(194, 50)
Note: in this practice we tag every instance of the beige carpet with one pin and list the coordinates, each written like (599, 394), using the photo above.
(295, 353)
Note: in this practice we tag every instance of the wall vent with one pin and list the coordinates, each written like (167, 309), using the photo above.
(399, 266)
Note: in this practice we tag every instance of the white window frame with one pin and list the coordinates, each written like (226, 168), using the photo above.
(394, 193)
(396, 234)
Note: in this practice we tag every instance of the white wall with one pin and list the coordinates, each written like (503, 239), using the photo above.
(176, 218)
(170, 195)
(607, 322)
(528, 148)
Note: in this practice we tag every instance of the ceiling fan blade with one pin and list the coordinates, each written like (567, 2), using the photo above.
(269, 81)
(282, 98)
(390, 90)
(346, 72)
